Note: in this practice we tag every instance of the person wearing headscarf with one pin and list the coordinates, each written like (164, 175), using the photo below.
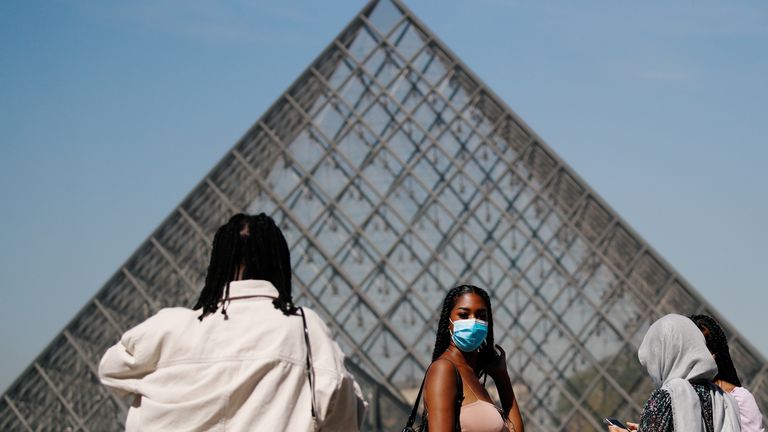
(675, 355)
(749, 414)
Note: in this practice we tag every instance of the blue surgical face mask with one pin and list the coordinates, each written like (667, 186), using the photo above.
(469, 334)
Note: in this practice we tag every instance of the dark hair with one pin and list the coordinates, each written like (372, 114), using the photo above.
(717, 344)
(443, 338)
(255, 244)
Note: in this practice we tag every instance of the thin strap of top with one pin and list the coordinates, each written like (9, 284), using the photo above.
(477, 398)
(482, 416)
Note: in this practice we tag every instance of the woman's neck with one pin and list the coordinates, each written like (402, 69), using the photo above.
(463, 358)
(725, 385)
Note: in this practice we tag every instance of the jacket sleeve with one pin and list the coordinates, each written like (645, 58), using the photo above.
(347, 407)
(125, 363)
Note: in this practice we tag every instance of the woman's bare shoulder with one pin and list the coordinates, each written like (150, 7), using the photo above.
(441, 370)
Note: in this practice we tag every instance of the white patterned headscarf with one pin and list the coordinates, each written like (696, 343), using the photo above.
(674, 353)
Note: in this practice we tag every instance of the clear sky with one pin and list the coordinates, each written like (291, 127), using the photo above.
(110, 112)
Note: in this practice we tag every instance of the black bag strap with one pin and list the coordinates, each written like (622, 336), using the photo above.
(310, 372)
(457, 407)
(412, 418)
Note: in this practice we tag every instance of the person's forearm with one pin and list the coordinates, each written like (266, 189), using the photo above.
(509, 403)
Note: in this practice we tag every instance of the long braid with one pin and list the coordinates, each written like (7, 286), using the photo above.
(487, 351)
(717, 343)
(272, 263)
(443, 337)
(221, 267)
(235, 234)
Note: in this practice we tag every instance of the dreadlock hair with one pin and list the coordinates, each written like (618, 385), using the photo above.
(717, 344)
(255, 246)
(443, 338)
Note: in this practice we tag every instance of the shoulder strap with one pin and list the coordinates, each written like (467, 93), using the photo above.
(459, 399)
(412, 417)
(310, 372)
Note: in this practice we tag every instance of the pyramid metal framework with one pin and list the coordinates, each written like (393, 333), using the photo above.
(396, 174)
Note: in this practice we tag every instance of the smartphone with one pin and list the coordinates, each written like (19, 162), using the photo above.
(615, 422)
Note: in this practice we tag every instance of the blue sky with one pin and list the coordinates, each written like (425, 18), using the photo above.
(110, 112)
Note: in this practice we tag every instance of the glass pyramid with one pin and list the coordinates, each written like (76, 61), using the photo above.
(396, 174)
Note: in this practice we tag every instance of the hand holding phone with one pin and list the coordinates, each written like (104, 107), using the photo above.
(615, 422)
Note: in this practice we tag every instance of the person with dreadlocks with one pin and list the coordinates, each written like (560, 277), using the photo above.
(727, 378)
(259, 364)
(464, 344)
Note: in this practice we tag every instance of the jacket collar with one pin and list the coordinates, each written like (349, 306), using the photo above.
(252, 287)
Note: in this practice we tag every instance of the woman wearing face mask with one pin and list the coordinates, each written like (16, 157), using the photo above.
(464, 344)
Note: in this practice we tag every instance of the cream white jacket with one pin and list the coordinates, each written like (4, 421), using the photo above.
(245, 373)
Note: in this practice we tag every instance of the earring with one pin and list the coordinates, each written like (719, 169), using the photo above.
(482, 344)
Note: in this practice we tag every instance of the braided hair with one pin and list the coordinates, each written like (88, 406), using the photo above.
(717, 344)
(255, 246)
(443, 338)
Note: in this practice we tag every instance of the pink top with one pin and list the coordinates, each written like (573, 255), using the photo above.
(749, 413)
(481, 416)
